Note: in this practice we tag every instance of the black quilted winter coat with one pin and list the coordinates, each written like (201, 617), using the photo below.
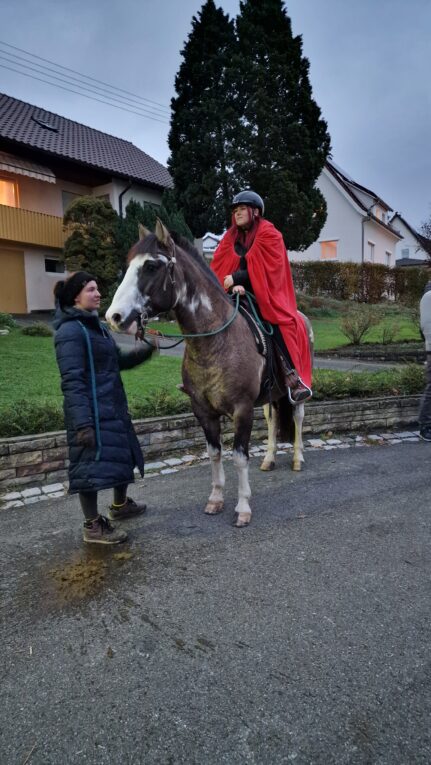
(90, 363)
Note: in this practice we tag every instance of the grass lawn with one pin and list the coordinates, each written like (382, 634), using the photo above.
(28, 371)
(31, 398)
(328, 334)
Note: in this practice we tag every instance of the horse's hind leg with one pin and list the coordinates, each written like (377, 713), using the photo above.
(298, 445)
(243, 421)
(215, 501)
(271, 421)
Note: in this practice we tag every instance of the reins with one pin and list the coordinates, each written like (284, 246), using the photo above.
(267, 330)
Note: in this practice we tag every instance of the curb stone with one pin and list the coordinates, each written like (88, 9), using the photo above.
(173, 465)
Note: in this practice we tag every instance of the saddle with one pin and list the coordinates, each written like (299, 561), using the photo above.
(275, 377)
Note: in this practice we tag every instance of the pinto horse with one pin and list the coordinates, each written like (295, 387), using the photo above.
(223, 371)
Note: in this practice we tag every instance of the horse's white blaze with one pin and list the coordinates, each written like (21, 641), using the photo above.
(244, 491)
(218, 477)
(127, 297)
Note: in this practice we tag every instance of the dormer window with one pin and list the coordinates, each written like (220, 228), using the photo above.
(8, 193)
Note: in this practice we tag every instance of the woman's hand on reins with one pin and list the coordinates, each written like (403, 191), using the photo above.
(238, 289)
(228, 282)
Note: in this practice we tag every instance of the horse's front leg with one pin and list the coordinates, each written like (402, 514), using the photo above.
(215, 502)
(298, 445)
(271, 421)
(243, 422)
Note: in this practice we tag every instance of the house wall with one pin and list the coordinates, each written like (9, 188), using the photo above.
(343, 225)
(138, 193)
(409, 242)
(39, 282)
(43, 197)
(383, 241)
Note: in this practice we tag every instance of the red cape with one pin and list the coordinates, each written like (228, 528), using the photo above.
(269, 272)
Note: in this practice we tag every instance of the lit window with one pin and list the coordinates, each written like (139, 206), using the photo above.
(8, 193)
(328, 250)
(388, 258)
(371, 251)
(405, 252)
(54, 266)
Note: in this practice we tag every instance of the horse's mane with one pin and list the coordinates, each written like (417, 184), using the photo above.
(190, 249)
(151, 245)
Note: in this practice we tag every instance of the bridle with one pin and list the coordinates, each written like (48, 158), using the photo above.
(143, 317)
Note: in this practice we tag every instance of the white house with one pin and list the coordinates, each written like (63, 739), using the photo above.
(209, 244)
(357, 228)
(414, 248)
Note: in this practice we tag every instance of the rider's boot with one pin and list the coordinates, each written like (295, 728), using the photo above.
(297, 391)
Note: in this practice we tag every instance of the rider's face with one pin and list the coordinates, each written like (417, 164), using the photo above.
(242, 216)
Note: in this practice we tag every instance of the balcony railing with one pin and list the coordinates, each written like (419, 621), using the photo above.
(27, 227)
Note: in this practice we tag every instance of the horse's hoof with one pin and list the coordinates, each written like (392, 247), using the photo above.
(297, 466)
(214, 508)
(267, 465)
(241, 520)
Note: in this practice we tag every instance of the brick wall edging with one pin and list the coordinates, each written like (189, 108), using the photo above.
(33, 460)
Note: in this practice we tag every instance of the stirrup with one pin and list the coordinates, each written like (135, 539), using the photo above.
(305, 394)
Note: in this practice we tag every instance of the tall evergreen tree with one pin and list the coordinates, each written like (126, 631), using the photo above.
(204, 122)
(283, 141)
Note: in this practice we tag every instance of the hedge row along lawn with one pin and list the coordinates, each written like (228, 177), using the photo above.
(31, 399)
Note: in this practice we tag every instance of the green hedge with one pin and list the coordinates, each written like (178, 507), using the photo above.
(25, 417)
(363, 282)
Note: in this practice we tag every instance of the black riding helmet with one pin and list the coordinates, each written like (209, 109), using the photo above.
(250, 198)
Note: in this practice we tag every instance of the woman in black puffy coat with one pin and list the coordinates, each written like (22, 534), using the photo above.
(103, 447)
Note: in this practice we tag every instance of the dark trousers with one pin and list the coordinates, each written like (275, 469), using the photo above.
(88, 500)
(425, 408)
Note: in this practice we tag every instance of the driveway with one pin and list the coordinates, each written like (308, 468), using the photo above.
(302, 639)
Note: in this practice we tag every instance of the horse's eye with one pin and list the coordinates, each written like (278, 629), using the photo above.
(150, 266)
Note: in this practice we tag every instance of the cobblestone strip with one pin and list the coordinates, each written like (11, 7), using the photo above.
(173, 464)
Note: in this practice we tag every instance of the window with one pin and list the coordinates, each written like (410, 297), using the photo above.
(54, 266)
(68, 197)
(405, 252)
(371, 247)
(328, 250)
(388, 257)
(8, 193)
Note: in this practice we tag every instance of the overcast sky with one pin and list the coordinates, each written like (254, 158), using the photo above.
(369, 69)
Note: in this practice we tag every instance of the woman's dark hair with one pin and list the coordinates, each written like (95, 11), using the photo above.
(66, 291)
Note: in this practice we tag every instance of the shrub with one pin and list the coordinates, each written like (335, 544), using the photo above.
(25, 417)
(356, 324)
(6, 320)
(37, 329)
(389, 332)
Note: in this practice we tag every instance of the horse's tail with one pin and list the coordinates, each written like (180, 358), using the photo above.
(286, 423)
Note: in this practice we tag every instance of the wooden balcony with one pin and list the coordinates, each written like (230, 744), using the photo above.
(27, 227)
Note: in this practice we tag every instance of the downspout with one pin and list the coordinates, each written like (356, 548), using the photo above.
(363, 235)
(120, 198)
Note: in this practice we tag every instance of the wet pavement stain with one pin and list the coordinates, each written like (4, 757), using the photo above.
(85, 575)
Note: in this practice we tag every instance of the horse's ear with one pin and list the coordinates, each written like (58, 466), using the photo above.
(162, 232)
(143, 232)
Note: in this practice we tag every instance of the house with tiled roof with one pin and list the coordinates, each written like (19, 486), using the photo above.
(414, 249)
(358, 227)
(47, 161)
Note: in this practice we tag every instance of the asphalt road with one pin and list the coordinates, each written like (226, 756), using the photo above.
(303, 639)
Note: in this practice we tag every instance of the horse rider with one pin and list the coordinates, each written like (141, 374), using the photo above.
(251, 256)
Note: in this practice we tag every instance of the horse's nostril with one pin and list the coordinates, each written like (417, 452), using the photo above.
(116, 317)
